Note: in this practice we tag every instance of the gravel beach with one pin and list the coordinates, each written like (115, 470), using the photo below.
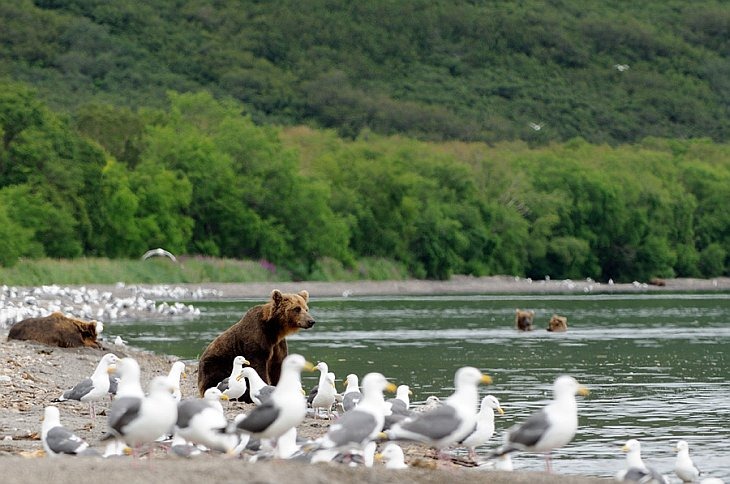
(31, 375)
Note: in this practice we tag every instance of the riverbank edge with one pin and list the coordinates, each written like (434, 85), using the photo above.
(419, 287)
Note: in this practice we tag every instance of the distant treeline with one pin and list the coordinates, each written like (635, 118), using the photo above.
(611, 72)
(200, 177)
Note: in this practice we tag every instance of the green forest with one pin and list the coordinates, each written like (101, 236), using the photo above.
(564, 139)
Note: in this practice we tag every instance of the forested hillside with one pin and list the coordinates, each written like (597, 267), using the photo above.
(609, 72)
(199, 176)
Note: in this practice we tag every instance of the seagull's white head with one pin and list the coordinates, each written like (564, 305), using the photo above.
(491, 401)
(212, 394)
(566, 385)
(682, 445)
(297, 363)
(468, 375)
(374, 383)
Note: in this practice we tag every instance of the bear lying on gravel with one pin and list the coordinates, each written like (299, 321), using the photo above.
(56, 329)
(259, 336)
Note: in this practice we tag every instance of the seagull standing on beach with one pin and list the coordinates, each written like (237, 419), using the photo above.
(636, 471)
(260, 391)
(129, 384)
(57, 439)
(484, 427)
(93, 388)
(392, 455)
(551, 427)
(401, 403)
(352, 394)
(449, 423)
(286, 408)
(683, 466)
(357, 427)
(139, 421)
(176, 372)
(326, 390)
(234, 386)
(202, 421)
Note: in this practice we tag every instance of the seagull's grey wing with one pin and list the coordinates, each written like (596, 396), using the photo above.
(187, 409)
(398, 406)
(434, 425)
(113, 384)
(62, 441)
(350, 400)
(265, 393)
(529, 432)
(313, 393)
(635, 475)
(78, 391)
(352, 428)
(123, 411)
(260, 418)
(391, 420)
(223, 385)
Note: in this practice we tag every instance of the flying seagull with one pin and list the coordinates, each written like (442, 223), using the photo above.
(159, 252)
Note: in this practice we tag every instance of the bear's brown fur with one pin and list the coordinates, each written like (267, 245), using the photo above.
(259, 336)
(558, 324)
(56, 329)
(523, 320)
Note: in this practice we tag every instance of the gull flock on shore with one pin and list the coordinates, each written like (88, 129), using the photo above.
(140, 424)
(18, 303)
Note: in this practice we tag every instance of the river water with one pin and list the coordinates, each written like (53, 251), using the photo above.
(657, 365)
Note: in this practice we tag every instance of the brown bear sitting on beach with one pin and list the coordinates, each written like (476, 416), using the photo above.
(558, 324)
(259, 336)
(56, 329)
(523, 320)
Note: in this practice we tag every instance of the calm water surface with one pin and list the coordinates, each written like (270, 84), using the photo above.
(658, 366)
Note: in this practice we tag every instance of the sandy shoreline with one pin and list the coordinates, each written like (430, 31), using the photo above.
(32, 374)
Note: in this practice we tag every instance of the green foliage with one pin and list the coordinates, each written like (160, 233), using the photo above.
(204, 178)
(433, 70)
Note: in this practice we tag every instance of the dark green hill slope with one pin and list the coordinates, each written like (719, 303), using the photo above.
(607, 71)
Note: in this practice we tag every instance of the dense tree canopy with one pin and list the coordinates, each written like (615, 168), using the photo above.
(609, 72)
(203, 178)
(567, 139)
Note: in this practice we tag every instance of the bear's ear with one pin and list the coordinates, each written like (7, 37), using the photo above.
(276, 296)
(305, 295)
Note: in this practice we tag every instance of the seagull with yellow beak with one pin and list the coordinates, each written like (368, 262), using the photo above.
(552, 427)
(449, 423)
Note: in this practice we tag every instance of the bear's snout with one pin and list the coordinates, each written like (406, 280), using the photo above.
(309, 323)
